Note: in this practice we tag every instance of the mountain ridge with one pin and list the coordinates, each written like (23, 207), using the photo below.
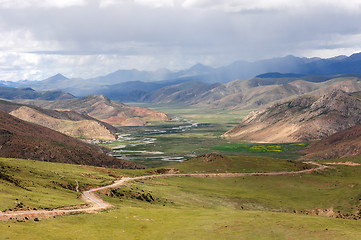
(70, 123)
(252, 93)
(303, 119)
(29, 93)
(20, 139)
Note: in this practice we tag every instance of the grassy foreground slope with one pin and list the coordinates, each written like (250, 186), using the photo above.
(256, 207)
(154, 222)
(29, 184)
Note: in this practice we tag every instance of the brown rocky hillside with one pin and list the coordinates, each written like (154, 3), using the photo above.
(20, 139)
(302, 119)
(106, 110)
(346, 143)
(70, 123)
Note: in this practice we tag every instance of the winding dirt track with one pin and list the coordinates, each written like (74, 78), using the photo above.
(96, 204)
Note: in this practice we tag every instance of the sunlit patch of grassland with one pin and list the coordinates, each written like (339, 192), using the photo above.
(256, 147)
(284, 150)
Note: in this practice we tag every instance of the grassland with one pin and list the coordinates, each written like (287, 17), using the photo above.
(28, 184)
(257, 207)
(217, 163)
(282, 150)
(335, 189)
(213, 123)
(32, 184)
(154, 222)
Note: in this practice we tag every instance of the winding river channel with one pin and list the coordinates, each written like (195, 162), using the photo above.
(141, 146)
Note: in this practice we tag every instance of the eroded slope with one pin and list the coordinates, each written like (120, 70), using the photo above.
(302, 119)
(68, 122)
(20, 139)
(346, 143)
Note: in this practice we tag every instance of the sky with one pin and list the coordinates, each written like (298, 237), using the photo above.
(89, 38)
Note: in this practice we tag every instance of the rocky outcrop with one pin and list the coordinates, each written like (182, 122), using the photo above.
(212, 157)
(302, 119)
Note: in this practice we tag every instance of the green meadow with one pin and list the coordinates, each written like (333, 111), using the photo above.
(34, 184)
(239, 164)
(154, 222)
(282, 150)
(260, 148)
(29, 184)
(253, 207)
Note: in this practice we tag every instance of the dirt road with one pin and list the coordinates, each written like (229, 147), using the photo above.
(96, 204)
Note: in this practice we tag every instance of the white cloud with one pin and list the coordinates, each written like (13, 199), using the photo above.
(236, 6)
(17, 66)
(330, 46)
(40, 3)
(269, 5)
(22, 40)
(146, 3)
(155, 3)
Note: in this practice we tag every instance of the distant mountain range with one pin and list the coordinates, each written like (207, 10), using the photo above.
(133, 85)
(29, 93)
